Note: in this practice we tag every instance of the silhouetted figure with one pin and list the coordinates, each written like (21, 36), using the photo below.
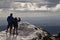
(10, 22)
(16, 25)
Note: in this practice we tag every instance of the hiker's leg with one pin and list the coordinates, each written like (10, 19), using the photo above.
(17, 30)
(10, 28)
(14, 30)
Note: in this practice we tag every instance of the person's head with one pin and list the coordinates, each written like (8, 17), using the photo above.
(11, 14)
(15, 17)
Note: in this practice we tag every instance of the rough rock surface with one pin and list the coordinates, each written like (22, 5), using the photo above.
(26, 31)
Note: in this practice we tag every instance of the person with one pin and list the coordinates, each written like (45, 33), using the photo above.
(10, 22)
(16, 25)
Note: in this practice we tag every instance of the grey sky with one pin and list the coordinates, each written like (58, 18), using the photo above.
(42, 5)
(47, 3)
(5, 3)
(52, 3)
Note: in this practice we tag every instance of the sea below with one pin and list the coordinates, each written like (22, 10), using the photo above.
(52, 29)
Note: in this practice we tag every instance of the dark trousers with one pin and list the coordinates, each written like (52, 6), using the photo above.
(15, 29)
(9, 26)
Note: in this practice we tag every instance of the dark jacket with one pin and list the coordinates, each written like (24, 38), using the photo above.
(10, 19)
(16, 21)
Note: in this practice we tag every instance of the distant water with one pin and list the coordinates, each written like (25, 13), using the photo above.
(52, 29)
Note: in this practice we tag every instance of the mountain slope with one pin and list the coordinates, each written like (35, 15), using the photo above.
(26, 31)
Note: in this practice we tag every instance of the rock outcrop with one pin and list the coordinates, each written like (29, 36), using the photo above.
(28, 31)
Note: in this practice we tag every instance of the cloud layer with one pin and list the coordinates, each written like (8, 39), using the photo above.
(48, 3)
(5, 3)
(39, 3)
(52, 3)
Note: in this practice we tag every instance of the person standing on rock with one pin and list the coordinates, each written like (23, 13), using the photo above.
(10, 22)
(16, 25)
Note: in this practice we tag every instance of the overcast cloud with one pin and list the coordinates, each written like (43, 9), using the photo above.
(43, 5)
(48, 3)
(39, 3)
(5, 3)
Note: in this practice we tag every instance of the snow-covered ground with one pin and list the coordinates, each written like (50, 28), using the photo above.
(26, 31)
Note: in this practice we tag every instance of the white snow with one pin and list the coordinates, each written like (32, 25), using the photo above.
(27, 31)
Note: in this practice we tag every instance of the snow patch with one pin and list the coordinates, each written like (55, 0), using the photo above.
(27, 31)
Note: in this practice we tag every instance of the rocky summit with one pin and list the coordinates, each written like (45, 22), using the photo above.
(27, 31)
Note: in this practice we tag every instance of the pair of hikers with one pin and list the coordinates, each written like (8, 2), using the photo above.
(13, 23)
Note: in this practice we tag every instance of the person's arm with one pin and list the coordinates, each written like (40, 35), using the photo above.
(19, 19)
